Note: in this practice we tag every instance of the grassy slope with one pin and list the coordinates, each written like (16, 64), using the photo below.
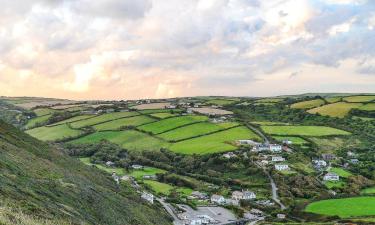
(53, 133)
(43, 111)
(162, 115)
(102, 118)
(303, 130)
(37, 120)
(129, 139)
(116, 124)
(171, 123)
(308, 104)
(44, 182)
(73, 119)
(339, 109)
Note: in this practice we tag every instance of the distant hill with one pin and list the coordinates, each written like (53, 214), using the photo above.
(325, 94)
(39, 183)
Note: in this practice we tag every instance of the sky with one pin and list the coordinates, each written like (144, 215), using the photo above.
(130, 49)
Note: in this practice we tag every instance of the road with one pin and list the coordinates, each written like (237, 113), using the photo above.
(168, 208)
(258, 132)
(275, 196)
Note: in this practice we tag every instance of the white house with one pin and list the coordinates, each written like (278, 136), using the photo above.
(281, 167)
(319, 163)
(109, 163)
(116, 178)
(287, 142)
(247, 195)
(277, 159)
(237, 195)
(148, 197)
(218, 199)
(276, 148)
(331, 177)
(137, 167)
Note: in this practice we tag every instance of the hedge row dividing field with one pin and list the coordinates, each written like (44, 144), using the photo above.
(102, 118)
(344, 208)
(339, 109)
(213, 143)
(54, 133)
(308, 104)
(316, 131)
(118, 123)
(194, 130)
(171, 123)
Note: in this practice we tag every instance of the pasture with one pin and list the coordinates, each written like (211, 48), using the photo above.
(339, 109)
(333, 99)
(195, 130)
(129, 121)
(165, 189)
(160, 105)
(368, 191)
(368, 107)
(129, 139)
(213, 143)
(53, 133)
(43, 111)
(162, 115)
(345, 207)
(295, 140)
(138, 174)
(171, 123)
(110, 170)
(303, 130)
(102, 118)
(37, 120)
(341, 172)
(73, 119)
(211, 111)
(359, 98)
(269, 100)
(308, 104)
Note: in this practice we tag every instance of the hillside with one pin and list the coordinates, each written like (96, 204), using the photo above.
(40, 183)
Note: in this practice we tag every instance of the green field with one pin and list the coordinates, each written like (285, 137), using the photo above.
(165, 189)
(269, 123)
(217, 142)
(368, 191)
(359, 98)
(295, 140)
(303, 130)
(368, 107)
(344, 208)
(110, 170)
(138, 174)
(130, 121)
(333, 99)
(308, 104)
(102, 118)
(334, 184)
(37, 120)
(339, 109)
(220, 102)
(341, 172)
(153, 111)
(129, 139)
(269, 100)
(73, 119)
(171, 123)
(53, 133)
(43, 111)
(162, 115)
(195, 130)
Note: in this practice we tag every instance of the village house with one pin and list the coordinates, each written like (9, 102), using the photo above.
(231, 201)
(148, 197)
(281, 216)
(218, 199)
(275, 148)
(243, 195)
(281, 167)
(264, 162)
(137, 167)
(331, 177)
(109, 163)
(261, 147)
(237, 195)
(248, 195)
(319, 163)
(354, 161)
(278, 159)
(247, 142)
(328, 157)
(198, 195)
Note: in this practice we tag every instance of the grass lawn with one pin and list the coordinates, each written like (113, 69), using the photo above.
(333, 99)
(53, 133)
(344, 208)
(217, 142)
(220, 102)
(110, 170)
(37, 120)
(368, 191)
(43, 111)
(295, 140)
(162, 115)
(73, 119)
(195, 130)
(308, 104)
(130, 121)
(101, 119)
(138, 174)
(129, 139)
(339, 109)
(341, 172)
(303, 130)
(359, 98)
(171, 123)
(368, 107)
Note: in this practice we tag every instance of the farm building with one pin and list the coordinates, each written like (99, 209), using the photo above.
(277, 159)
(287, 142)
(218, 199)
(281, 167)
(331, 177)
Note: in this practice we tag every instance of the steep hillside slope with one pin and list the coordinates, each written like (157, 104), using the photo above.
(42, 182)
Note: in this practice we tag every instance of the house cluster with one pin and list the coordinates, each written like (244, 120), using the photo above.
(235, 198)
(267, 147)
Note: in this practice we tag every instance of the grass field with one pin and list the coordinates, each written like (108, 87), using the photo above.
(269, 100)
(110, 170)
(101, 119)
(344, 208)
(269, 123)
(53, 133)
(43, 111)
(162, 115)
(329, 145)
(333, 99)
(73, 119)
(368, 191)
(153, 111)
(303, 130)
(341, 172)
(295, 140)
(129, 139)
(217, 142)
(130, 121)
(195, 130)
(334, 184)
(359, 98)
(171, 123)
(308, 104)
(368, 107)
(339, 109)
(220, 102)
(165, 189)
(37, 120)
(138, 174)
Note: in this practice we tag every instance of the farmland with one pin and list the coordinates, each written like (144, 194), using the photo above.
(308, 104)
(37, 120)
(102, 118)
(130, 139)
(43, 111)
(73, 119)
(339, 109)
(129, 121)
(269, 100)
(344, 208)
(171, 123)
(53, 133)
(161, 105)
(162, 115)
(333, 99)
(359, 98)
(295, 140)
(368, 191)
(220, 102)
(217, 142)
(303, 130)
(195, 130)
(211, 111)
(368, 107)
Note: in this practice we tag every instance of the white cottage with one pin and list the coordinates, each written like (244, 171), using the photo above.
(331, 177)
(281, 167)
